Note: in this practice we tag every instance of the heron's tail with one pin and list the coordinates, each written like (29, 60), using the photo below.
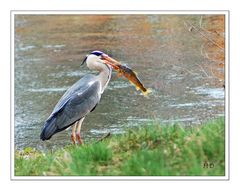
(49, 129)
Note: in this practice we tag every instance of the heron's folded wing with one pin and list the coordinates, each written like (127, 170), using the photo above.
(80, 86)
(77, 106)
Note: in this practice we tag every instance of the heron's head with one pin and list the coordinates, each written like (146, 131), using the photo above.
(97, 59)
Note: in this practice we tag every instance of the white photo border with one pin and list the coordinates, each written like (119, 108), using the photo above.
(226, 13)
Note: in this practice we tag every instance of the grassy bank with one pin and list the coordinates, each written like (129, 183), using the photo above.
(150, 150)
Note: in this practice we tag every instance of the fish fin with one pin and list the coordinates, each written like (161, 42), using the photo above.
(147, 92)
(137, 88)
(132, 83)
(119, 74)
(135, 73)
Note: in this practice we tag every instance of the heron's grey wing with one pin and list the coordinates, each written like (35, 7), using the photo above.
(79, 104)
(80, 86)
(79, 100)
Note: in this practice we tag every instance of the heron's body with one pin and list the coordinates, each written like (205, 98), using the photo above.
(73, 106)
(78, 100)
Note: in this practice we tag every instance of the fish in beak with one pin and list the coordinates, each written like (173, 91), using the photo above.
(127, 72)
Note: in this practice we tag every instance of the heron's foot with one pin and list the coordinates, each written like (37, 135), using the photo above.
(73, 137)
(80, 141)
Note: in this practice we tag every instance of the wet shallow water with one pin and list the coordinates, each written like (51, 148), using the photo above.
(50, 48)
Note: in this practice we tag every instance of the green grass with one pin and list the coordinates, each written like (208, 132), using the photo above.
(151, 150)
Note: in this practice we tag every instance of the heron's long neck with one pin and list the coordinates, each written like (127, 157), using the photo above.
(104, 76)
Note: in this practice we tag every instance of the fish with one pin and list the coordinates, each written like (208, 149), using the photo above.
(127, 72)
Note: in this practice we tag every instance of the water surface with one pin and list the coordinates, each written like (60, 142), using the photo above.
(166, 56)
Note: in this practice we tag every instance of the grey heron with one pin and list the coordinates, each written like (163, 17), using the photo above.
(80, 99)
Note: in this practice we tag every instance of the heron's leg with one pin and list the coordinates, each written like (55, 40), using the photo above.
(78, 131)
(73, 135)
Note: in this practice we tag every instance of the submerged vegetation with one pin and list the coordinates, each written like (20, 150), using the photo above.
(151, 150)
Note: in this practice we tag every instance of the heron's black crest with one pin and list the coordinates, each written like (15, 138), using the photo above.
(97, 52)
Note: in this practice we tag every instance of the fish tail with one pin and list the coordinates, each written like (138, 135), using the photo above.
(147, 92)
(119, 74)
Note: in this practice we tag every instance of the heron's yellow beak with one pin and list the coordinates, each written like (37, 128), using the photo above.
(110, 61)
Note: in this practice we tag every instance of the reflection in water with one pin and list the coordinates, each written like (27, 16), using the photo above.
(50, 48)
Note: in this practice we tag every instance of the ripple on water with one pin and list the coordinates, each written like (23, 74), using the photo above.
(77, 73)
(198, 104)
(53, 46)
(112, 130)
(26, 48)
(217, 93)
(119, 85)
(181, 120)
(48, 89)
